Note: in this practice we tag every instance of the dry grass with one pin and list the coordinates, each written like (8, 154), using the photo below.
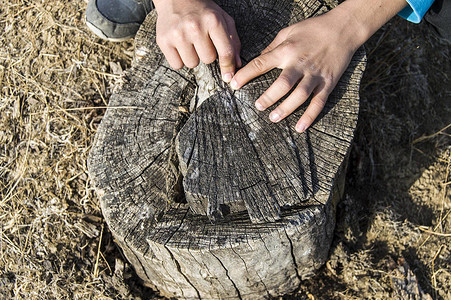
(55, 81)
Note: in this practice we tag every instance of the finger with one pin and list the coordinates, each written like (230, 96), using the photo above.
(314, 109)
(254, 68)
(280, 37)
(172, 56)
(226, 51)
(283, 84)
(233, 34)
(188, 55)
(205, 50)
(238, 61)
(296, 98)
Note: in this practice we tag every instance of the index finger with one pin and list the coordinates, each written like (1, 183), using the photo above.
(226, 51)
(256, 67)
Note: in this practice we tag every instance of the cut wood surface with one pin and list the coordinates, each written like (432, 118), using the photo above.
(207, 197)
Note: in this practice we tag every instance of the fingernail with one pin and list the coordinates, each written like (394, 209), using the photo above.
(234, 84)
(301, 127)
(259, 106)
(275, 117)
(227, 77)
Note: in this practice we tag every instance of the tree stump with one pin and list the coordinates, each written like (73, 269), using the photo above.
(206, 197)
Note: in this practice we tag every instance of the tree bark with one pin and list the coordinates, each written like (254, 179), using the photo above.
(206, 197)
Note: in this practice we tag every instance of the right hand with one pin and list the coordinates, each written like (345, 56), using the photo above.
(193, 30)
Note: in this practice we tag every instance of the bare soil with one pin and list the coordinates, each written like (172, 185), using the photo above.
(55, 81)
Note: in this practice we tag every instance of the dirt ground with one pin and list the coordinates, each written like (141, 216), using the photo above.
(55, 81)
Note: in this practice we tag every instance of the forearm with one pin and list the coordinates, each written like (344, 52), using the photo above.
(181, 5)
(158, 4)
(169, 4)
(360, 19)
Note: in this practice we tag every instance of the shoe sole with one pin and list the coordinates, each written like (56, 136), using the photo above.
(101, 35)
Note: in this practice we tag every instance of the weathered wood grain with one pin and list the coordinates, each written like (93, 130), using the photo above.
(208, 198)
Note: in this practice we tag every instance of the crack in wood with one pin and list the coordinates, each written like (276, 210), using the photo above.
(181, 273)
(175, 231)
(293, 257)
(227, 275)
(247, 271)
(148, 166)
(132, 253)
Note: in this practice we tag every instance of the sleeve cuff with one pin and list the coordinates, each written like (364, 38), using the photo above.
(415, 10)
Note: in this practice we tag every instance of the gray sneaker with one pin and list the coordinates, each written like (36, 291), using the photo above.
(116, 20)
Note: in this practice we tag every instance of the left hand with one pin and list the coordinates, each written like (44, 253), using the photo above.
(189, 31)
(313, 54)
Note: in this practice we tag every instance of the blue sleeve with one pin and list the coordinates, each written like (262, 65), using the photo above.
(415, 10)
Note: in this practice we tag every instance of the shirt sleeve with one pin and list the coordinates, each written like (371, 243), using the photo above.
(415, 10)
